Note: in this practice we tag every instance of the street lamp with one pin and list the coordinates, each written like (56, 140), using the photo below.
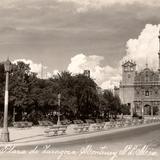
(58, 113)
(5, 132)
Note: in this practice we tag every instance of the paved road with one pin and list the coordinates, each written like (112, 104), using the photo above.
(140, 144)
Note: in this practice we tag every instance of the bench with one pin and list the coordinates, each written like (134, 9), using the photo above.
(78, 121)
(156, 119)
(127, 122)
(89, 121)
(81, 126)
(107, 125)
(112, 123)
(119, 123)
(135, 122)
(74, 129)
(22, 124)
(99, 121)
(77, 128)
(140, 121)
(95, 127)
(146, 121)
(85, 127)
(55, 130)
(45, 123)
(66, 122)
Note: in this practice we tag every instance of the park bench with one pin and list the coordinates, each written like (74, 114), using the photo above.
(45, 123)
(89, 121)
(94, 126)
(55, 130)
(81, 126)
(140, 121)
(22, 124)
(135, 122)
(85, 127)
(112, 123)
(146, 121)
(77, 128)
(157, 119)
(66, 122)
(127, 123)
(119, 123)
(154, 119)
(101, 123)
(107, 125)
(78, 121)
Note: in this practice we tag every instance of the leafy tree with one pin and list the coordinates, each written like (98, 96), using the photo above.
(125, 109)
(20, 81)
(86, 94)
(155, 110)
(63, 83)
(78, 94)
(110, 104)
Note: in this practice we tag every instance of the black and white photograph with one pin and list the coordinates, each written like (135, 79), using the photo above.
(79, 79)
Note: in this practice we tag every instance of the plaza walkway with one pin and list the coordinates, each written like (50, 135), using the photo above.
(35, 135)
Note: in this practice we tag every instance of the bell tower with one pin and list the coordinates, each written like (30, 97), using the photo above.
(127, 84)
(128, 72)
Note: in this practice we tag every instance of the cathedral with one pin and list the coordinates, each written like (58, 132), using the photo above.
(140, 90)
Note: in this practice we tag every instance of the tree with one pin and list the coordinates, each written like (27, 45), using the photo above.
(20, 81)
(110, 104)
(63, 83)
(85, 90)
(125, 109)
(78, 94)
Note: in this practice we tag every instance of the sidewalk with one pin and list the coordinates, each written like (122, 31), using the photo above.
(35, 135)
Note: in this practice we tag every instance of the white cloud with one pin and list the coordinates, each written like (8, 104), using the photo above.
(141, 50)
(105, 76)
(37, 68)
(144, 49)
(55, 72)
(84, 5)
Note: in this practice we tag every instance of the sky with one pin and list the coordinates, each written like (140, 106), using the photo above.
(74, 35)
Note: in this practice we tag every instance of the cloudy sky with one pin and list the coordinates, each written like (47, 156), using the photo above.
(80, 34)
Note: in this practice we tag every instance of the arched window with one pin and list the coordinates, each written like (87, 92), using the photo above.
(147, 93)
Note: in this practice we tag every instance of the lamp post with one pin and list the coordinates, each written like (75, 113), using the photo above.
(59, 105)
(5, 132)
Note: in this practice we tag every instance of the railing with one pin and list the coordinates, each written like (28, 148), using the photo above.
(136, 84)
(152, 83)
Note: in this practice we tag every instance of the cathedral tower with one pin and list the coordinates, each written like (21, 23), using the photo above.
(127, 83)
(128, 72)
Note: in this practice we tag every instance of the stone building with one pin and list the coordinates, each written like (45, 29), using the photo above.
(140, 90)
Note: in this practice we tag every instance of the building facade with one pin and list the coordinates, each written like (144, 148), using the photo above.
(140, 90)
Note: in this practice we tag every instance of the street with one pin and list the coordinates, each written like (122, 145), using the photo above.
(142, 143)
